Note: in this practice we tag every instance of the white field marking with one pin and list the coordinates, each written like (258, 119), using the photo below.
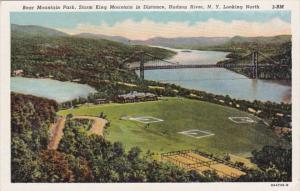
(146, 119)
(193, 132)
(124, 117)
(241, 119)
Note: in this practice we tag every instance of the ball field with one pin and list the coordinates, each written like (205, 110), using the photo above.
(172, 124)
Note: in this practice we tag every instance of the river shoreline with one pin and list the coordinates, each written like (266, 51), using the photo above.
(218, 81)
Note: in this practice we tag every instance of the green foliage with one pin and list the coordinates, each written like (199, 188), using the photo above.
(275, 165)
(25, 165)
(274, 157)
(30, 118)
(55, 167)
(68, 58)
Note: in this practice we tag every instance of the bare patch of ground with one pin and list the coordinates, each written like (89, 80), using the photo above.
(98, 124)
(56, 133)
(56, 129)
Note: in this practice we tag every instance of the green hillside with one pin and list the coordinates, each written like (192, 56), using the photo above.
(66, 57)
(32, 30)
(181, 115)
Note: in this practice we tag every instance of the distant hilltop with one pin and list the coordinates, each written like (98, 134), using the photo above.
(178, 42)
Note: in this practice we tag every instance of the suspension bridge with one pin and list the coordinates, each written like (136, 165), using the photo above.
(249, 62)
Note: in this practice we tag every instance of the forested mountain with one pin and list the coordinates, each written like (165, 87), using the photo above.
(275, 50)
(100, 36)
(67, 57)
(260, 39)
(246, 44)
(33, 30)
(178, 42)
(185, 42)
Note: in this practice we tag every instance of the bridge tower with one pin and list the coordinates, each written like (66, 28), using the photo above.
(254, 59)
(142, 62)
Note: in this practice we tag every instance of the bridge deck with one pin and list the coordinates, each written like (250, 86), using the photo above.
(178, 66)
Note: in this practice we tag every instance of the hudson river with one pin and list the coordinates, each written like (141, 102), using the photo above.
(219, 80)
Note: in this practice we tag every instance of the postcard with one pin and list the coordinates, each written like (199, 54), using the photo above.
(150, 95)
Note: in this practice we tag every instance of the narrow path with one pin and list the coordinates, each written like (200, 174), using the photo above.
(56, 133)
(56, 130)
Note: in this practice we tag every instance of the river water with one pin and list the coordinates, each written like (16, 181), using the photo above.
(51, 89)
(218, 80)
(213, 80)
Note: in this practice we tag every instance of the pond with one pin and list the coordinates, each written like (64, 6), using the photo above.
(51, 89)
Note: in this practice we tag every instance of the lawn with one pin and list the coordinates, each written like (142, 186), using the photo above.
(178, 115)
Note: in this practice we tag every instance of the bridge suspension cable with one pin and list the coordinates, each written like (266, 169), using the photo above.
(158, 63)
(207, 79)
(157, 58)
(267, 57)
(238, 59)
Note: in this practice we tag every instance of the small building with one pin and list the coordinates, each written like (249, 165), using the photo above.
(101, 101)
(18, 72)
(251, 110)
(279, 114)
(76, 80)
(66, 105)
(136, 97)
(150, 97)
(282, 130)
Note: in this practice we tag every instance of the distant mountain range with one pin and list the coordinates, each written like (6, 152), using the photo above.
(100, 36)
(33, 30)
(180, 42)
(261, 39)
(185, 42)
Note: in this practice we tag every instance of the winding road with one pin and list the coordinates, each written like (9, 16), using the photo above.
(56, 129)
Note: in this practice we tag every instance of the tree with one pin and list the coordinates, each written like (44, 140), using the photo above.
(25, 165)
(274, 159)
(69, 116)
(55, 167)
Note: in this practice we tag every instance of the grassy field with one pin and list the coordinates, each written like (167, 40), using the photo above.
(181, 115)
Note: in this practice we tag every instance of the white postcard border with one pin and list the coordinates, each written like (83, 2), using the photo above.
(6, 185)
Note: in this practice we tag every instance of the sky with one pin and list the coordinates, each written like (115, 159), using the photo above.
(145, 25)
